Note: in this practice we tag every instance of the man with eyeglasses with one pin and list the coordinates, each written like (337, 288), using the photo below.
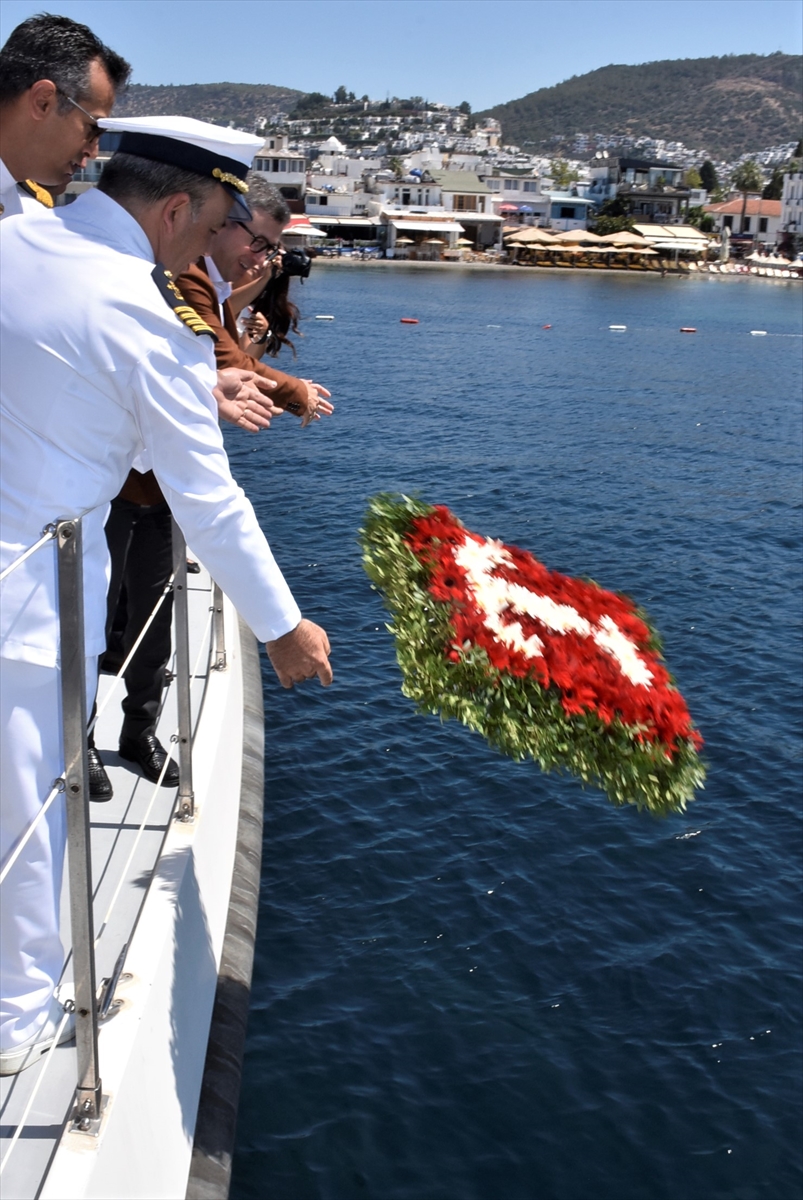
(237, 251)
(57, 80)
(138, 531)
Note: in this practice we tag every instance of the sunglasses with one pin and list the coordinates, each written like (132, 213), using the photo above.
(94, 129)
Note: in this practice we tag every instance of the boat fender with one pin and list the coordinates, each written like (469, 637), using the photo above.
(687, 329)
(409, 320)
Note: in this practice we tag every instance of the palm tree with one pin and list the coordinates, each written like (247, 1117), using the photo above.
(747, 178)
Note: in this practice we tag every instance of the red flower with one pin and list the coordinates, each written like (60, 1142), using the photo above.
(586, 675)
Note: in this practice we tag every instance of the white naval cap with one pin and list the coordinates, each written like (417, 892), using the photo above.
(208, 150)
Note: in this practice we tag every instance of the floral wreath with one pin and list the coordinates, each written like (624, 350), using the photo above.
(543, 665)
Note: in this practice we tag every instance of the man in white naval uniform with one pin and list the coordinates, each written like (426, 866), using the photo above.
(102, 361)
(56, 79)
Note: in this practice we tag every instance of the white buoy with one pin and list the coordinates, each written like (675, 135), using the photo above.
(758, 333)
(618, 328)
(323, 318)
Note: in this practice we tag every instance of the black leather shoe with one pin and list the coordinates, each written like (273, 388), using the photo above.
(149, 754)
(100, 786)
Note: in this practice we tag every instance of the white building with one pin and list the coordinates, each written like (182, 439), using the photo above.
(792, 203)
(567, 210)
(518, 198)
(470, 198)
(761, 220)
(284, 169)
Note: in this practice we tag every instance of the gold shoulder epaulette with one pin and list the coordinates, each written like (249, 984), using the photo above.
(172, 295)
(37, 191)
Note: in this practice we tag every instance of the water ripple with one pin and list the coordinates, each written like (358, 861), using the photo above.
(472, 980)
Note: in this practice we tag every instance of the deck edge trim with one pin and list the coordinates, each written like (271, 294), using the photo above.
(216, 1124)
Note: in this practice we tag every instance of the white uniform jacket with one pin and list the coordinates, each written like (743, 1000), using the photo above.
(95, 367)
(13, 198)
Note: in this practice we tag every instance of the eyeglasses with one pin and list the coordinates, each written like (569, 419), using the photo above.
(259, 243)
(94, 129)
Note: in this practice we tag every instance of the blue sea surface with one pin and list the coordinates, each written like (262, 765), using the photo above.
(474, 981)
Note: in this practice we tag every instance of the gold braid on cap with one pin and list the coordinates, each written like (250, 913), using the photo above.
(225, 177)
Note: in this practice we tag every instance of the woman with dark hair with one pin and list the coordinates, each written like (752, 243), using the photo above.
(271, 315)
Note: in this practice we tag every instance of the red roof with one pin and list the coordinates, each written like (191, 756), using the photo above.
(755, 208)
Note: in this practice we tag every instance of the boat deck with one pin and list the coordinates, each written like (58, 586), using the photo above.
(127, 837)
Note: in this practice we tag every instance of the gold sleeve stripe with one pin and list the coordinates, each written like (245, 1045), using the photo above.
(190, 318)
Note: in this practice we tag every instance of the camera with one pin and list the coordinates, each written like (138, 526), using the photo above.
(296, 262)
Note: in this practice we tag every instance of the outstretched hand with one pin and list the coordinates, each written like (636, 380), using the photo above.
(317, 403)
(301, 654)
(243, 399)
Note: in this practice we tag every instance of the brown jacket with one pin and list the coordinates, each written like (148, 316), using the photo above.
(199, 292)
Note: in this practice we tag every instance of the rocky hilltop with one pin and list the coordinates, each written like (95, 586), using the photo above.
(725, 106)
(244, 104)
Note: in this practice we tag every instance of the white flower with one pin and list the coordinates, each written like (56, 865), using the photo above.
(495, 596)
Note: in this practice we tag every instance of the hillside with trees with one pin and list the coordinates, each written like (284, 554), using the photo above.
(243, 103)
(724, 106)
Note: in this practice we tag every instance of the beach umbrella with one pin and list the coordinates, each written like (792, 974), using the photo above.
(573, 237)
(464, 242)
(531, 235)
(301, 230)
(625, 239)
(403, 241)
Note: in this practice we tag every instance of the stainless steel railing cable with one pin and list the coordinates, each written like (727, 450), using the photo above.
(168, 587)
(58, 787)
(58, 784)
(34, 1093)
(157, 785)
(49, 533)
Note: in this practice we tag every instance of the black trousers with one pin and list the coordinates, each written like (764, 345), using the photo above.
(140, 543)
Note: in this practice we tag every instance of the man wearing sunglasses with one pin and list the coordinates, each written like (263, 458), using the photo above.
(57, 80)
(237, 251)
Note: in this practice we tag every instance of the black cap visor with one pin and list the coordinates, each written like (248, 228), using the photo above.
(227, 171)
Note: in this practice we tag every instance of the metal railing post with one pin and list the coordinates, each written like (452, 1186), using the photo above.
(218, 630)
(186, 796)
(88, 1093)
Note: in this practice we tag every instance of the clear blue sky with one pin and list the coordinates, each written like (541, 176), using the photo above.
(483, 51)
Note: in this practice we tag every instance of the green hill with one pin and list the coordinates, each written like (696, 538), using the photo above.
(242, 103)
(725, 106)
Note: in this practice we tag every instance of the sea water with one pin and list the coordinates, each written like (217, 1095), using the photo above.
(474, 981)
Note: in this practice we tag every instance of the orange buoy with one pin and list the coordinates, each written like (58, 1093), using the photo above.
(409, 320)
(687, 329)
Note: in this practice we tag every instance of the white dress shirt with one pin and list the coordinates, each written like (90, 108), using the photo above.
(95, 367)
(222, 286)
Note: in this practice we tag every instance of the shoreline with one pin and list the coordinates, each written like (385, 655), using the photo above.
(350, 262)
